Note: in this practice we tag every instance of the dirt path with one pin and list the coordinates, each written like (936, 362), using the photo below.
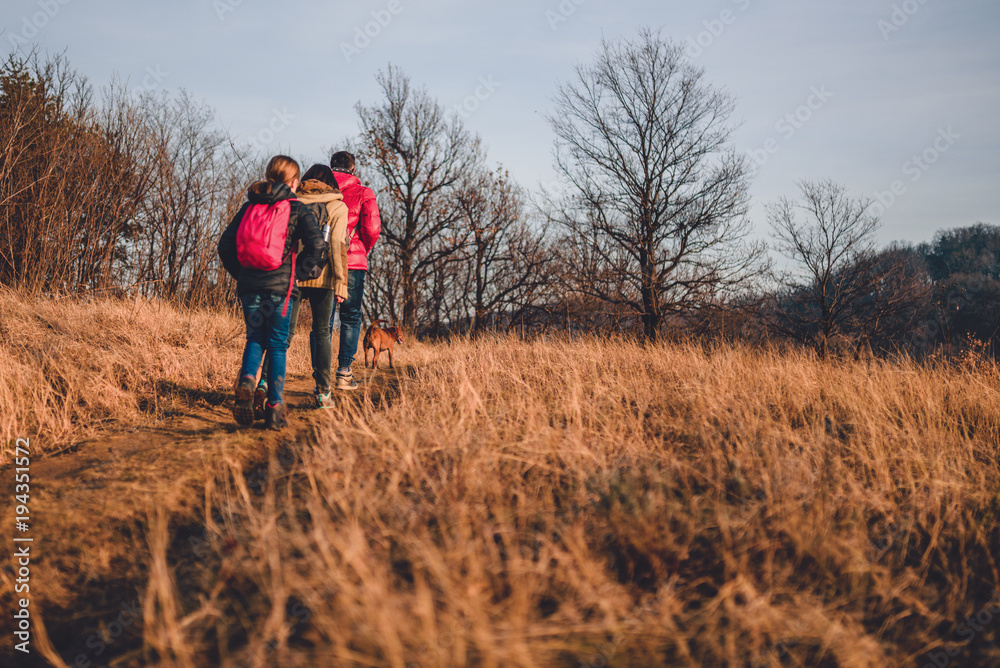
(91, 507)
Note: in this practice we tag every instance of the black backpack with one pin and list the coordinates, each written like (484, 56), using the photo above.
(322, 216)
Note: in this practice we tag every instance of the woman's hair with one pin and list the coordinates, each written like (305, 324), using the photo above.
(322, 173)
(282, 169)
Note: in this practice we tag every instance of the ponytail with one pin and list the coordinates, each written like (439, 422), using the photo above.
(282, 169)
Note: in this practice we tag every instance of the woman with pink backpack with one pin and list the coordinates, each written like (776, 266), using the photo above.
(257, 249)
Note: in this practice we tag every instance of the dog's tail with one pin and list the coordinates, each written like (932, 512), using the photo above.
(375, 322)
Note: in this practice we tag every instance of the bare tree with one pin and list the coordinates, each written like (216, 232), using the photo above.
(965, 263)
(70, 178)
(658, 197)
(899, 300)
(506, 261)
(198, 188)
(416, 156)
(830, 237)
(121, 193)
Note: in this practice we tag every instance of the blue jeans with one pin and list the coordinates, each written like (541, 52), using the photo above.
(322, 302)
(267, 330)
(350, 318)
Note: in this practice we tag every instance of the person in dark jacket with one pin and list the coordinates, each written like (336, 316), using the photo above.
(265, 294)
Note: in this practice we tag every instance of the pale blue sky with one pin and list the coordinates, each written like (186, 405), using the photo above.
(881, 93)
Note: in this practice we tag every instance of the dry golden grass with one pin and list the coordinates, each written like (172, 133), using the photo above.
(604, 503)
(568, 503)
(70, 369)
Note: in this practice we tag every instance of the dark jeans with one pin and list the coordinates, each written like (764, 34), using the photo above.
(350, 318)
(322, 302)
(267, 330)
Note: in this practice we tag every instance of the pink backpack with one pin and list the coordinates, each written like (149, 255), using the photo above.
(261, 238)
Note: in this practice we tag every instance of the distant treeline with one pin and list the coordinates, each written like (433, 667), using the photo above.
(123, 193)
(127, 193)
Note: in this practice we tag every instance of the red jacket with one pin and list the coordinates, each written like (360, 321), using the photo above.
(362, 215)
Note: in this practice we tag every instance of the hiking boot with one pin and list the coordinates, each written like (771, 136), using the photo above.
(275, 417)
(243, 404)
(323, 399)
(345, 381)
(259, 400)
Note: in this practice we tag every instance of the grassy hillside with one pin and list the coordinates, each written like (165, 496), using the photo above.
(509, 503)
(70, 369)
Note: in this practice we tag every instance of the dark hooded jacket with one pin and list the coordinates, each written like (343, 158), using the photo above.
(302, 228)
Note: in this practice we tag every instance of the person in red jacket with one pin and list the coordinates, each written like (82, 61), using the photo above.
(363, 229)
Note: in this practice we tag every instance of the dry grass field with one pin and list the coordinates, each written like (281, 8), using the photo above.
(500, 503)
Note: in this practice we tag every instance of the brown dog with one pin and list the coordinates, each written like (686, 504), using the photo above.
(378, 339)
